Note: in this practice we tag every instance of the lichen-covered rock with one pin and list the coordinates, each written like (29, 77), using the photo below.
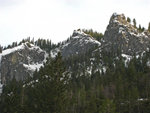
(20, 62)
(124, 37)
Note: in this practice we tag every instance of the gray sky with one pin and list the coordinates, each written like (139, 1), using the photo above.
(56, 19)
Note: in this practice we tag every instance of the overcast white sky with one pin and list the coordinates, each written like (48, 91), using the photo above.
(56, 19)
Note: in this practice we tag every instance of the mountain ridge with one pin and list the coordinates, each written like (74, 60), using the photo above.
(120, 37)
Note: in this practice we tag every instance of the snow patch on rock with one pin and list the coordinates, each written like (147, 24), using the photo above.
(36, 66)
(8, 51)
(127, 58)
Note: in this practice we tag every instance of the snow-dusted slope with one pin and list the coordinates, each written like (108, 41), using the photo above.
(21, 61)
(78, 44)
(23, 46)
(8, 51)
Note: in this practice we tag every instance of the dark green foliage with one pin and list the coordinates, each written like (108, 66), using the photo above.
(134, 22)
(45, 93)
(10, 101)
(29, 45)
(49, 93)
(44, 44)
(128, 19)
(122, 85)
(121, 89)
(94, 34)
(141, 29)
(149, 27)
(1, 49)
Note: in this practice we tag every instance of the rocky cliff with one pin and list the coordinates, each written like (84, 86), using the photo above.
(20, 62)
(79, 43)
(122, 36)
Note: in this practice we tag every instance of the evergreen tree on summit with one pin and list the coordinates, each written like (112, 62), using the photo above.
(149, 27)
(1, 49)
(128, 19)
(134, 23)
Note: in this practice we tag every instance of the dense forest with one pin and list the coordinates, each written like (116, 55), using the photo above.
(121, 89)
(124, 87)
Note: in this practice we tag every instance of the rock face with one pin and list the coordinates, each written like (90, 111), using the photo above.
(79, 43)
(122, 36)
(20, 62)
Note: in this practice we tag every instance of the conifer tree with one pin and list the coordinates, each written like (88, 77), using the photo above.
(149, 27)
(140, 29)
(10, 98)
(128, 19)
(143, 29)
(49, 94)
(1, 49)
(134, 22)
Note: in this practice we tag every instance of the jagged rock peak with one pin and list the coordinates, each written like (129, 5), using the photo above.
(25, 45)
(118, 18)
(20, 62)
(123, 36)
(79, 43)
(78, 32)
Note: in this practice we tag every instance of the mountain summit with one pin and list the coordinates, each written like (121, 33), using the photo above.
(122, 36)
(79, 43)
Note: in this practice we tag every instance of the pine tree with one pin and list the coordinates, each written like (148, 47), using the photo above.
(134, 23)
(1, 49)
(10, 101)
(140, 29)
(149, 27)
(128, 19)
(49, 93)
(143, 29)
